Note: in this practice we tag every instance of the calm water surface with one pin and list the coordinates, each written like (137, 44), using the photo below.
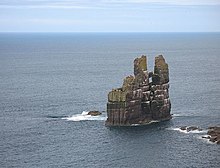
(48, 81)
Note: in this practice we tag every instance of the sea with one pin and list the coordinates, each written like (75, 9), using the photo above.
(49, 82)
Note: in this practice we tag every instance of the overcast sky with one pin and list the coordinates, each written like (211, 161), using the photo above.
(109, 16)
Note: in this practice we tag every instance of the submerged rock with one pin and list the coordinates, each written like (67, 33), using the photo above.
(94, 113)
(183, 128)
(140, 101)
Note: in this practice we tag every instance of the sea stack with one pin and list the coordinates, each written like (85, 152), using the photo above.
(143, 98)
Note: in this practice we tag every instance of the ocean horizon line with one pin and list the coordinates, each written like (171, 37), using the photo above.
(100, 32)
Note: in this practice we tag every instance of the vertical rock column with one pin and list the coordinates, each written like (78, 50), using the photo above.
(135, 96)
(160, 103)
(116, 107)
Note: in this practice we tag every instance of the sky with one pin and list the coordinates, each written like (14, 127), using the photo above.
(109, 16)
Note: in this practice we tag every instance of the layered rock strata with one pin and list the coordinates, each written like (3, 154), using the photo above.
(143, 97)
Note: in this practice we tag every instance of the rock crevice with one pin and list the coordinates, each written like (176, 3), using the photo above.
(139, 101)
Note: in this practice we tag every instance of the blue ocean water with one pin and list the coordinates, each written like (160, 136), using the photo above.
(49, 80)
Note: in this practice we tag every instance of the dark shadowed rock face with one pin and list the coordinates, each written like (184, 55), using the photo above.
(140, 101)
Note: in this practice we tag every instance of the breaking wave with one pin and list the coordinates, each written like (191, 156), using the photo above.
(200, 134)
(188, 132)
(85, 117)
(204, 138)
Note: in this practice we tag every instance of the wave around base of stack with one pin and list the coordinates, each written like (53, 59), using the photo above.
(85, 117)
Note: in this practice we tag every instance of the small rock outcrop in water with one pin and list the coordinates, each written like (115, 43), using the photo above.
(94, 113)
(139, 100)
(214, 134)
(190, 128)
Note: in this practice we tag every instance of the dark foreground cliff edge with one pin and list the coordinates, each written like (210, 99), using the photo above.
(143, 98)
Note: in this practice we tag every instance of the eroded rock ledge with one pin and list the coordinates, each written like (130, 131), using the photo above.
(143, 97)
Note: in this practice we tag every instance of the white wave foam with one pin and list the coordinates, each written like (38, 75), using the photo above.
(202, 135)
(188, 132)
(205, 139)
(135, 125)
(153, 121)
(180, 115)
(177, 115)
(84, 117)
(178, 129)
